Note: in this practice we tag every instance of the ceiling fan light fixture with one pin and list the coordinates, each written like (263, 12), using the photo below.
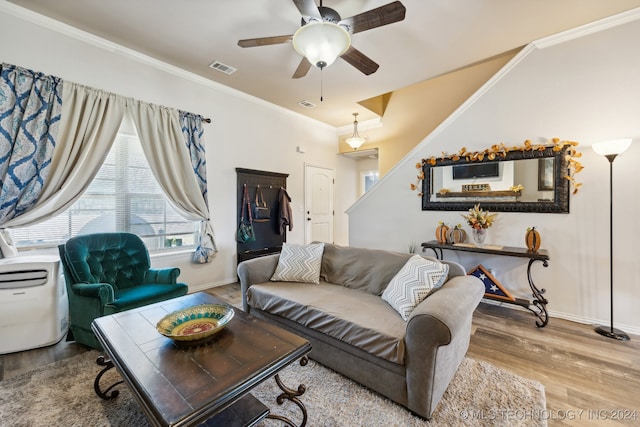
(355, 140)
(321, 42)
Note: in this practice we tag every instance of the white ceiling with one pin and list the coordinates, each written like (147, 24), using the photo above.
(437, 36)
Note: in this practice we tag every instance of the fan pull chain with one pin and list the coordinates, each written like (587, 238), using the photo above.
(321, 85)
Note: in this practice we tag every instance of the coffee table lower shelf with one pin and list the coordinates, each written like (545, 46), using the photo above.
(246, 412)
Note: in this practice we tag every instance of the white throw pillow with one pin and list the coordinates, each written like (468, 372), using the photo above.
(412, 284)
(299, 263)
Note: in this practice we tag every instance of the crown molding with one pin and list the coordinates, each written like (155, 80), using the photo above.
(99, 42)
(591, 28)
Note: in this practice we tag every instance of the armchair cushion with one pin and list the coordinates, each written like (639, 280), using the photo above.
(141, 295)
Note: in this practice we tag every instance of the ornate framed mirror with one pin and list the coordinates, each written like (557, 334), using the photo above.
(521, 181)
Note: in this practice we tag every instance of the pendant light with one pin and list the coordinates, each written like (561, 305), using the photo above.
(355, 140)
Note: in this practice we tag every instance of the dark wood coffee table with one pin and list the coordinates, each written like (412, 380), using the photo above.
(207, 383)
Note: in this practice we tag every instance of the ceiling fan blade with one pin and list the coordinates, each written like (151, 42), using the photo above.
(303, 69)
(308, 8)
(359, 60)
(383, 15)
(264, 41)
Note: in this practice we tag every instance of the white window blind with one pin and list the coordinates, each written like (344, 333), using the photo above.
(124, 196)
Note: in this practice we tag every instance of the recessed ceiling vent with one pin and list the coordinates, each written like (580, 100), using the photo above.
(224, 68)
(306, 104)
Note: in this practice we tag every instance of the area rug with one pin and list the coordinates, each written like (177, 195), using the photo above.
(480, 394)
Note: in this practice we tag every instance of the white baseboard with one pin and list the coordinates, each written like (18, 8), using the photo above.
(588, 321)
(205, 286)
(570, 317)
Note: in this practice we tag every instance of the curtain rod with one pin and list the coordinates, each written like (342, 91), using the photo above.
(204, 119)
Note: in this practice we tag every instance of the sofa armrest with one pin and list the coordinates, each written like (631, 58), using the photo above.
(453, 303)
(256, 270)
(102, 291)
(162, 276)
(437, 339)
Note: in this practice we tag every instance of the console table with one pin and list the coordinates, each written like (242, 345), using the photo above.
(538, 306)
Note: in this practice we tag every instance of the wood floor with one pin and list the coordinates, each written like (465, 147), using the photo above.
(589, 379)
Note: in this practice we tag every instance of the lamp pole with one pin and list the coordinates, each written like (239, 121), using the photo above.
(610, 150)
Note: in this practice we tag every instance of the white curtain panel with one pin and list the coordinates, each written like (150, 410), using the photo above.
(89, 123)
(164, 147)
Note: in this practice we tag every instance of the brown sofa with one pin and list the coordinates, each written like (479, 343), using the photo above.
(355, 332)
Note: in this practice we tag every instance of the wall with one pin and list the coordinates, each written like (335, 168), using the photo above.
(582, 85)
(414, 111)
(245, 132)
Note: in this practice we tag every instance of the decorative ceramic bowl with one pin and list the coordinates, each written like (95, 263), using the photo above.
(195, 323)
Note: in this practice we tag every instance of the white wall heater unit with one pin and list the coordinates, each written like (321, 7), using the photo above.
(34, 309)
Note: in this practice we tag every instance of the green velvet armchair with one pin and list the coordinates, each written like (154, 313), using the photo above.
(108, 273)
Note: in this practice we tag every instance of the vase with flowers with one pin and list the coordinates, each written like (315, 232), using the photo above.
(479, 220)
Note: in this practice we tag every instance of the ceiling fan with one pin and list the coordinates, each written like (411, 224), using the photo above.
(324, 35)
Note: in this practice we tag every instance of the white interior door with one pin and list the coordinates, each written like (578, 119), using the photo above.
(318, 203)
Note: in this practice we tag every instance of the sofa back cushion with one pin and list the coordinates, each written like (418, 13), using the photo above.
(366, 269)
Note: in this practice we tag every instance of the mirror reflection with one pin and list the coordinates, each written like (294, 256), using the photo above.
(529, 180)
(525, 181)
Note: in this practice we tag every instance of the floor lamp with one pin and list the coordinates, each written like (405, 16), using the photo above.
(610, 149)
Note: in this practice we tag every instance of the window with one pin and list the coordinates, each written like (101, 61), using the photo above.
(367, 180)
(124, 196)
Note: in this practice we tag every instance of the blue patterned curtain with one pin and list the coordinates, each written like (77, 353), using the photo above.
(192, 131)
(30, 106)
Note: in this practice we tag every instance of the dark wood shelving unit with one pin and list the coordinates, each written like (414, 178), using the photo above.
(268, 238)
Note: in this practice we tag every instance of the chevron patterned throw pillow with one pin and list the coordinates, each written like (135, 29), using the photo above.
(299, 263)
(412, 284)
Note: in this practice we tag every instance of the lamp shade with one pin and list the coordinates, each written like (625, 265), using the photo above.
(355, 142)
(614, 146)
(321, 42)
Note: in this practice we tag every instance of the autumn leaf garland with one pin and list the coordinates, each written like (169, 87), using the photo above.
(498, 151)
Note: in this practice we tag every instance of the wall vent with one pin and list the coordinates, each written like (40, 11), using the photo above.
(224, 68)
(306, 104)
